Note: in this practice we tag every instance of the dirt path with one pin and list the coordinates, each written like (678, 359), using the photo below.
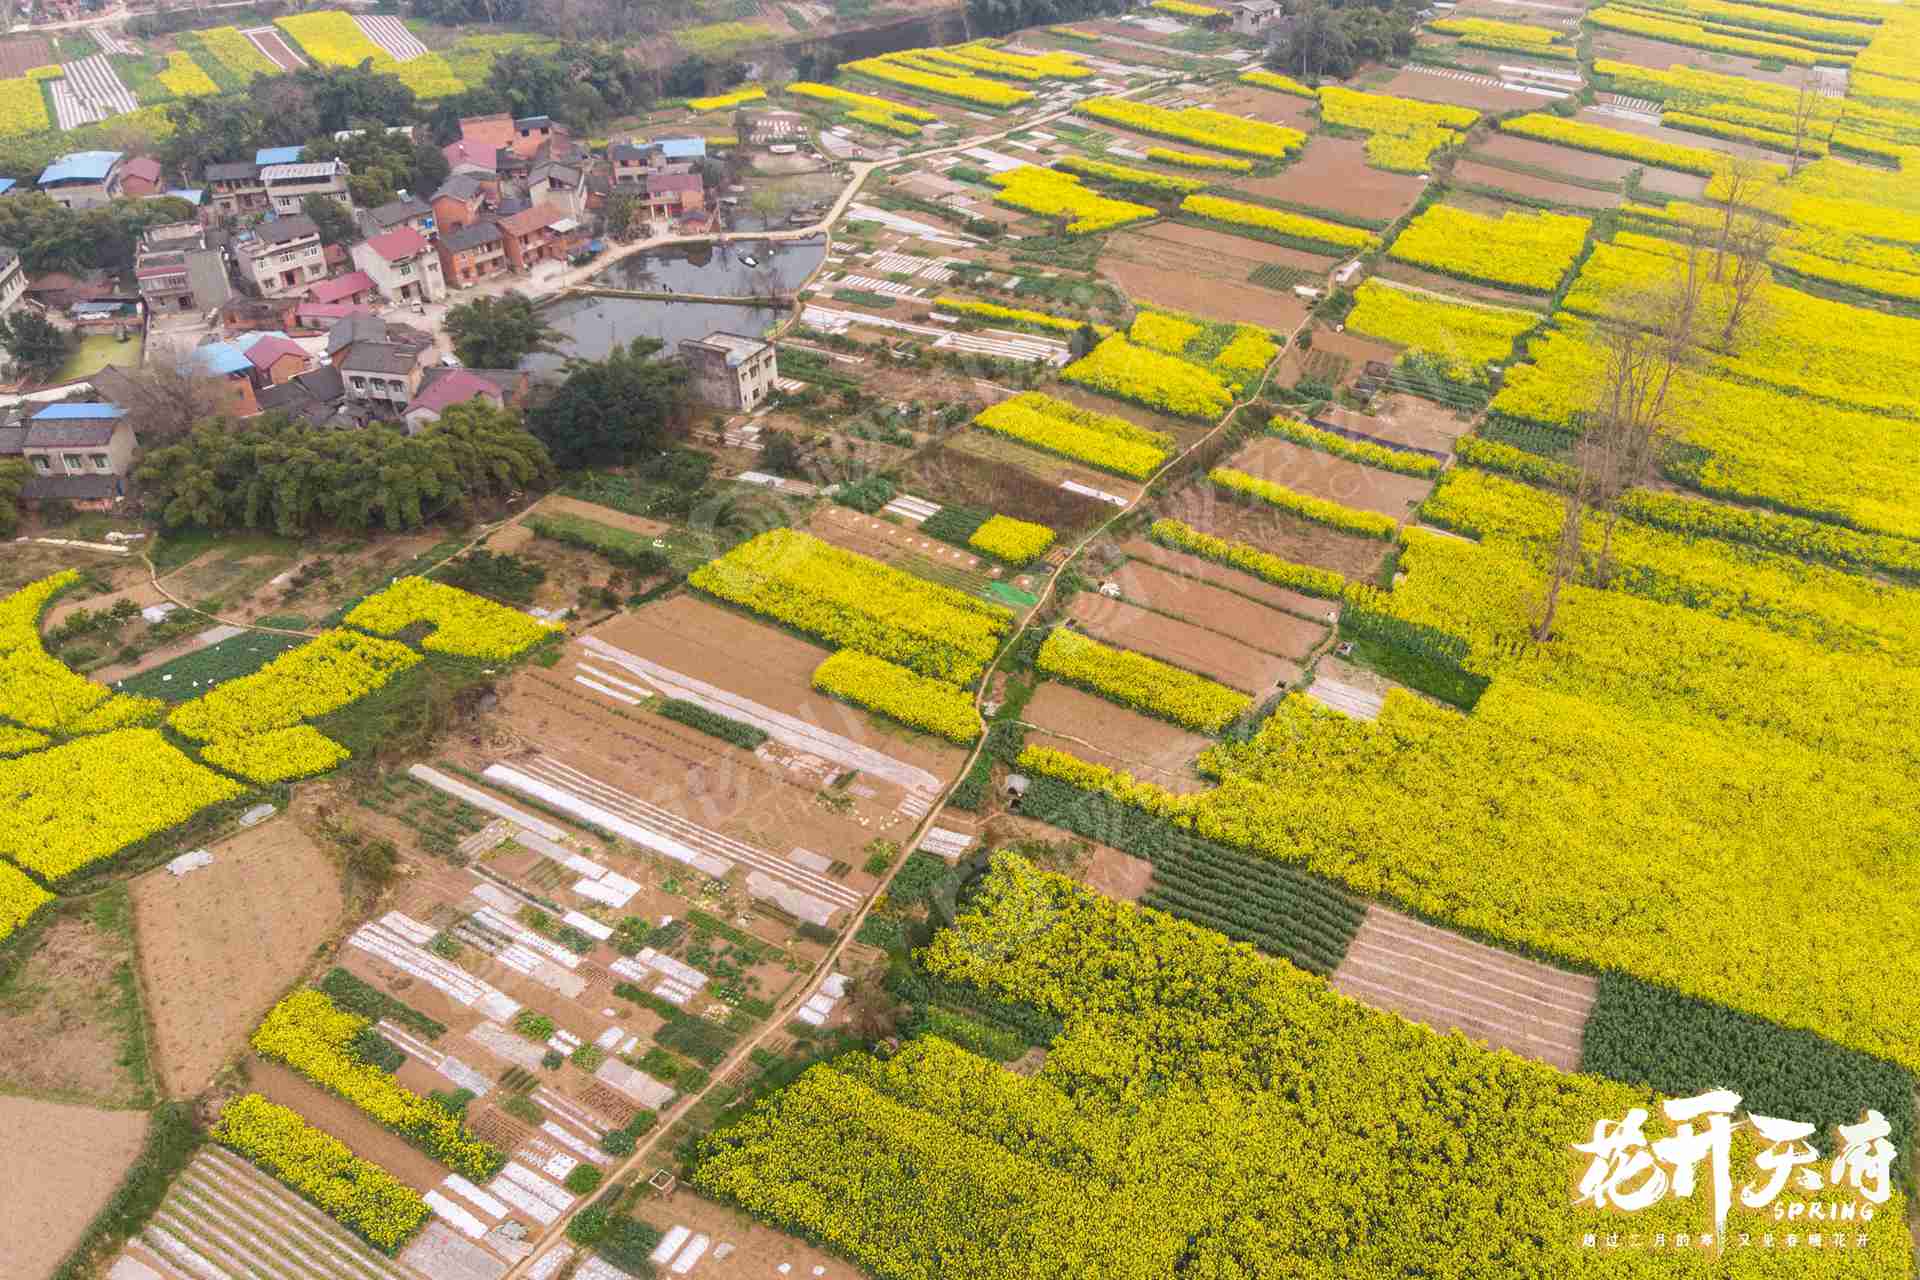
(741, 1054)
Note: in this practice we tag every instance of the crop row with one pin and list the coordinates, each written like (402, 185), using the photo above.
(723, 101)
(1335, 515)
(1402, 133)
(463, 624)
(1127, 372)
(1463, 338)
(1274, 80)
(1314, 234)
(1011, 540)
(1135, 680)
(912, 71)
(314, 1037)
(1403, 461)
(355, 1192)
(1059, 195)
(334, 669)
(854, 602)
(848, 98)
(1530, 251)
(1215, 129)
(79, 802)
(1250, 559)
(1125, 175)
(894, 691)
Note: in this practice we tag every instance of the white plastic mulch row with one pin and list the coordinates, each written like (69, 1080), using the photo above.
(788, 730)
(569, 1110)
(382, 940)
(392, 35)
(1088, 491)
(548, 1190)
(523, 1200)
(483, 800)
(567, 1139)
(456, 1217)
(888, 288)
(92, 91)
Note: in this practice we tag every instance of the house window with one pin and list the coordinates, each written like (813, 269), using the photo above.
(405, 269)
(42, 464)
(73, 461)
(101, 462)
(360, 384)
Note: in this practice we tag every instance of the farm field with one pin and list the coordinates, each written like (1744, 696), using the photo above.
(220, 943)
(77, 1155)
(1194, 732)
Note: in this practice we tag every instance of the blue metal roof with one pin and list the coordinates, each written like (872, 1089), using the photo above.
(87, 166)
(192, 195)
(6, 185)
(683, 148)
(78, 412)
(245, 341)
(277, 155)
(221, 357)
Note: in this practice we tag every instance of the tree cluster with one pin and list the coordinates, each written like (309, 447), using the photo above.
(283, 475)
(384, 164)
(612, 410)
(50, 238)
(498, 333)
(1330, 39)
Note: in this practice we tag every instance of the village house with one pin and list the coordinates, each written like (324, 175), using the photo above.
(13, 280)
(403, 266)
(282, 256)
(1251, 17)
(409, 211)
(473, 253)
(181, 267)
(354, 289)
(459, 201)
(672, 196)
(141, 177)
(83, 179)
(545, 233)
(289, 184)
(381, 375)
(236, 188)
(729, 370)
(472, 159)
(77, 453)
(440, 389)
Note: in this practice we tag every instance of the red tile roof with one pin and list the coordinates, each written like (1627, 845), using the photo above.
(145, 167)
(341, 287)
(456, 386)
(398, 245)
(533, 219)
(265, 352)
(473, 153)
(662, 183)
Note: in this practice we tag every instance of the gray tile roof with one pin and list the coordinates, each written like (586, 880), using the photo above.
(70, 488)
(472, 237)
(379, 357)
(70, 435)
(282, 230)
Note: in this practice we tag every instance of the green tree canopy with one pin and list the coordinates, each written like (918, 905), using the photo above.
(283, 475)
(36, 344)
(497, 333)
(613, 409)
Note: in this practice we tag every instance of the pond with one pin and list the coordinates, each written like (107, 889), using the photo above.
(717, 270)
(590, 328)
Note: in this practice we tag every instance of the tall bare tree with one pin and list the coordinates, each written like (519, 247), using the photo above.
(1806, 106)
(1751, 244)
(1647, 341)
(1739, 185)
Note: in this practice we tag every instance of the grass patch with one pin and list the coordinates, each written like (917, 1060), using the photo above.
(183, 678)
(1437, 680)
(96, 352)
(621, 546)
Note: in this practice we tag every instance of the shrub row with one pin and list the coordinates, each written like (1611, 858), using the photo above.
(727, 729)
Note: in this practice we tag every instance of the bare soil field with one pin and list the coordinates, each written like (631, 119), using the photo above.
(1404, 420)
(559, 504)
(1119, 876)
(139, 592)
(271, 43)
(1325, 476)
(21, 54)
(1677, 186)
(1206, 272)
(1661, 53)
(1195, 649)
(1393, 269)
(1349, 347)
(947, 474)
(1054, 470)
(1527, 184)
(1276, 532)
(27, 562)
(1557, 159)
(1263, 104)
(1218, 609)
(70, 1023)
(1461, 93)
(1680, 137)
(1219, 575)
(346, 1122)
(758, 1251)
(901, 545)
(66, 1161)
(1095, 729)
(222, 943)
(1332, 173)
